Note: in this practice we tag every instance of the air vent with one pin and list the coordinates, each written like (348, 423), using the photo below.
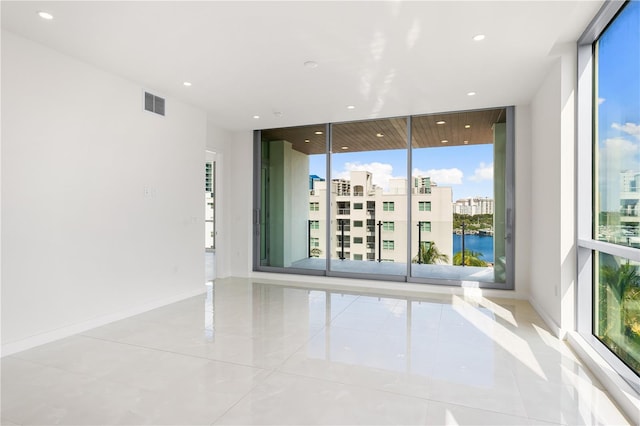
(153, 103)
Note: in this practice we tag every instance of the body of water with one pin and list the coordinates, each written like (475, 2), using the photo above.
(482, 244)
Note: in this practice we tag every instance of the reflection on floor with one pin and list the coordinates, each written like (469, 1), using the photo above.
(445, 272)
(209, 265)
(253, 353)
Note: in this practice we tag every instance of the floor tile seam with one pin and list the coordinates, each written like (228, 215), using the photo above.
(355, 385)
(333, 317)
(530, 416)
(300, 347)
(390, 392)
(457, 404)
(55, 367)
(187, 355)
(242, 397)
(91, 377)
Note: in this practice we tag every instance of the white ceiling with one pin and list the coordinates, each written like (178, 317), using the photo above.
(246, 58)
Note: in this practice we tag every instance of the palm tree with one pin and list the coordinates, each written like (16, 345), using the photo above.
(615, 281)
(618, 280)
(429, 253)
(471, 258)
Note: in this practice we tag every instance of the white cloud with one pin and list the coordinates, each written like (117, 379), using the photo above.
(442, 176)
(601, 101)
(484, 172)
(619, 154)
(381, 172)
(615, 155)
(628, 128)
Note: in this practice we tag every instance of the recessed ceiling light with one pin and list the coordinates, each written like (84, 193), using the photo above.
(467, 126)
(345, 147)
(444, 141)
(466, 142)
(187, 83)
(351, 107)
(256, 116)
(318, 132)
(311, 64)
(45, 15)
(471, 93)
(307, 141)
(379, 135)
(478, 37)
(440, 122)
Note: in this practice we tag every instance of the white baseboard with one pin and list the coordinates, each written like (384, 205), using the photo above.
(380, 286)
(557, 331)
(61, 333)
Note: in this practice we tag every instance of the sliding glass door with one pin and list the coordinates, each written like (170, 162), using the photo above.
(421, 199)
(291, 220)
(458, 196)
(368, 197)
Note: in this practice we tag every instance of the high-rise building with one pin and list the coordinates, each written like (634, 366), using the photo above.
(370, 223)
(474, 205)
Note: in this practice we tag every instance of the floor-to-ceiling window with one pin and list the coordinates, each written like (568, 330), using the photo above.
(419, 199)
(458, 193)
(369, 197)
(609, 187)
(291, 218)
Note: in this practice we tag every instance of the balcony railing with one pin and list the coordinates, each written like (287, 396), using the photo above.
(344, 211)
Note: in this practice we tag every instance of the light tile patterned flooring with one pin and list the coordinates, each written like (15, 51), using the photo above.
(253, 353)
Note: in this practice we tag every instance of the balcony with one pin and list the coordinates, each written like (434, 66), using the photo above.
(344, 211)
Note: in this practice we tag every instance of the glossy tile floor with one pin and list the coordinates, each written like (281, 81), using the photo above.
(254, 353)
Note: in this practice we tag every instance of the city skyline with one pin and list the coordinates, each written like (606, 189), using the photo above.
(467, 169)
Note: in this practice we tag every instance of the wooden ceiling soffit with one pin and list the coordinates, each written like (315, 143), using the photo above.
(459, 128)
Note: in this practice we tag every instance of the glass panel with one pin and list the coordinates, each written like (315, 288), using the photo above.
(617, 307)
(617, 131)
(292, 213)
(458, 196)
(369, 187)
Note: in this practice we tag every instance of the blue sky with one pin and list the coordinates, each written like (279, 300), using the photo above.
(618, 104)
(468, 170)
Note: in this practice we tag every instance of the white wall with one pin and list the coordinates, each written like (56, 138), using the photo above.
(553, 194)
(102, 202)
(240, 204)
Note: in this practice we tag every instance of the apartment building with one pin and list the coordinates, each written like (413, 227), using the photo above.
(474, 205)
(630, 201)
(370, 223)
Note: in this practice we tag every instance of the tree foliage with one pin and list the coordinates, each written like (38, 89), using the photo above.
(471, 258)
(430, 254)
(475, 222)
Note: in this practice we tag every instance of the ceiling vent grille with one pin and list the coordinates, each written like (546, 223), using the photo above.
(153, 103)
